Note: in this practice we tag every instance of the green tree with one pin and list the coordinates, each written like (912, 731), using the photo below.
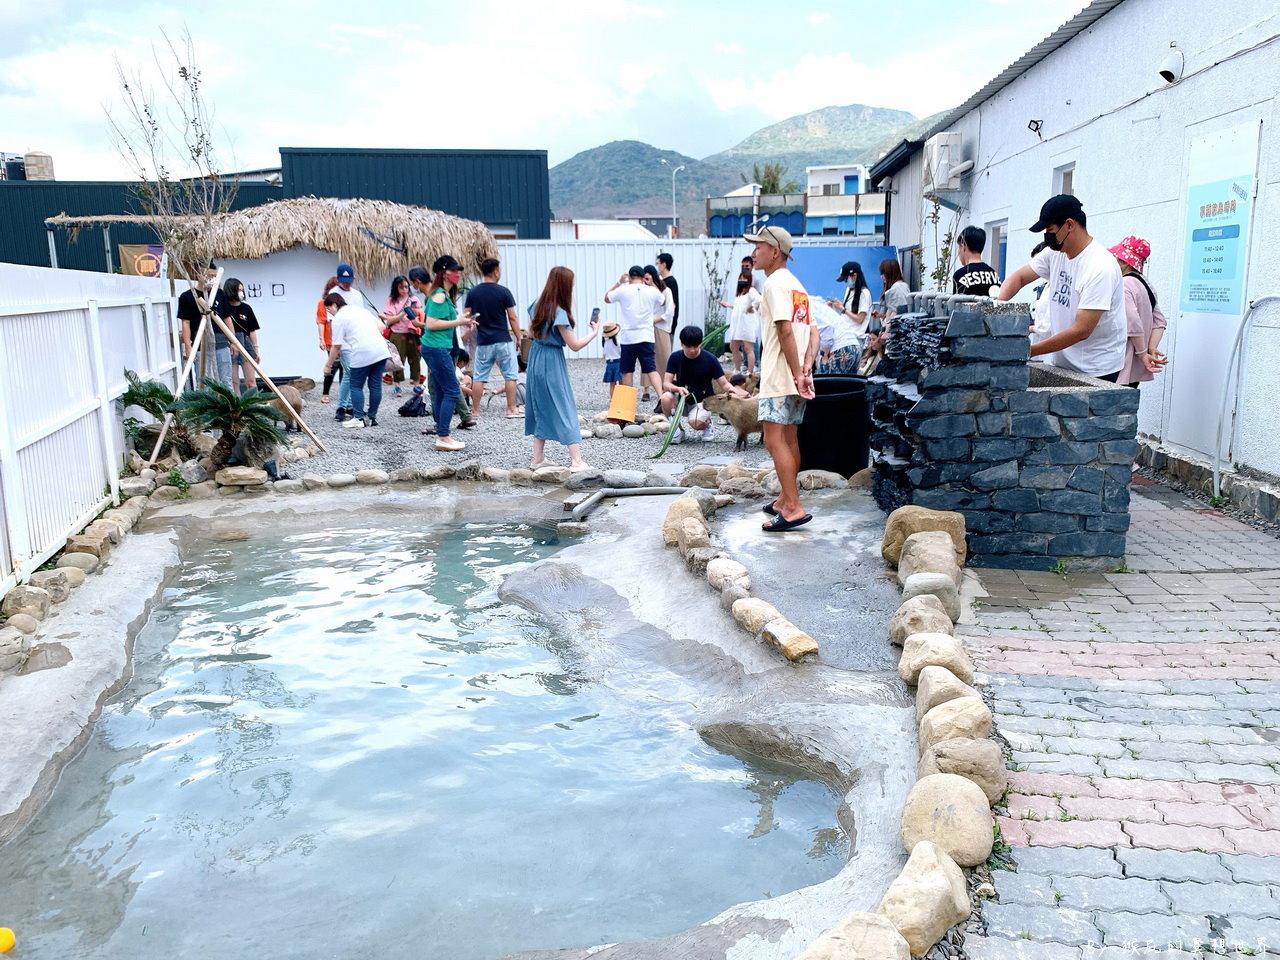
(216, 407)
(770, 178)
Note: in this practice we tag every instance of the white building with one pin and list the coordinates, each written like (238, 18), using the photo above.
(1161, 117)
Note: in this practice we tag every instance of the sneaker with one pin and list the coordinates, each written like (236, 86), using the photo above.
(679, 435)
(387, 378)
(706, 432)
(398, 392)
(449, 444)
(341, 415)
(369, 421)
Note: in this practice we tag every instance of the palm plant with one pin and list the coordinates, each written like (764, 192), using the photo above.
(157, 400)
(216, 407)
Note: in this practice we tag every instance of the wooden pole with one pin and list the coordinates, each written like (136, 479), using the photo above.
(186, 372)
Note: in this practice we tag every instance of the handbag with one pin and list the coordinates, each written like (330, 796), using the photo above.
(394, 363)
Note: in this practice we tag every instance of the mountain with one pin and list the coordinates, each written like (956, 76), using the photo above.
(627, 178)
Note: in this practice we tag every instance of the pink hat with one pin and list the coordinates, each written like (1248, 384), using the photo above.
(1133, 251)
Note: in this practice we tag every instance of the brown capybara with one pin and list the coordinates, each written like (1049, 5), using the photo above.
(743, 414)
(295, 404)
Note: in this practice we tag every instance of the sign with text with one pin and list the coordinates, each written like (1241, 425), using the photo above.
(1219, 207)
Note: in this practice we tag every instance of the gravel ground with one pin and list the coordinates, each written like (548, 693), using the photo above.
(397, 441)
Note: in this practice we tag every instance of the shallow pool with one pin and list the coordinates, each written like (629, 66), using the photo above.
(342, 744)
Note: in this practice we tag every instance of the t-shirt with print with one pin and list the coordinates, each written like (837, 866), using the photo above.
(639, 304)
(1090, 281)
(488, 303)
(785, 301)
(975, 279)
(696, 374)
(241, 315)
(440, 306)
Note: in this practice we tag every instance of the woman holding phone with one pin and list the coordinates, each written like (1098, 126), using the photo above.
(551, 413)
(403, 315)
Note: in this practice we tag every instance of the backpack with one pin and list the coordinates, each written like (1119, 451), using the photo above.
(415, 406)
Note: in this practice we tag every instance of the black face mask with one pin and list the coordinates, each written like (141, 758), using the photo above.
(1051, 241)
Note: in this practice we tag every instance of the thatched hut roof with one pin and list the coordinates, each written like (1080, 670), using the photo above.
(378, 238)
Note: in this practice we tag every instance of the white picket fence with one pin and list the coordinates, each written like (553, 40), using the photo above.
(66, 338)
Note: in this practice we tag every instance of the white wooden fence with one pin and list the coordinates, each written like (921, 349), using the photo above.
(66, 338)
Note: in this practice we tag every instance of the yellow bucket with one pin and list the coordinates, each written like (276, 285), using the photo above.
(623, 406)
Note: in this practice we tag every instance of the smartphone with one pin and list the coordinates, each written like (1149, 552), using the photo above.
(595, 316)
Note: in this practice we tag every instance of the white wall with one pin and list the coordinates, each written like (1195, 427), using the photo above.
(1104, 107)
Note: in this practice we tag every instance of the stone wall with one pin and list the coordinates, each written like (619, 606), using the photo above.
(1037, 459)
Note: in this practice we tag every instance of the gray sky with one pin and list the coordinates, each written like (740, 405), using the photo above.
(561, 76)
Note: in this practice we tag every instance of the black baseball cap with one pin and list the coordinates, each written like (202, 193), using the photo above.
(636, 271)
(445, 262)
(1057, 210)
(847, 269)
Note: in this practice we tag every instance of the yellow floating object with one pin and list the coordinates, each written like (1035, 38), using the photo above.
(622, 408)
(7, 940)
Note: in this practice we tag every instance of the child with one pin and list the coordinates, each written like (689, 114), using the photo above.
(463, 405)
(612, 356)
(744, 326)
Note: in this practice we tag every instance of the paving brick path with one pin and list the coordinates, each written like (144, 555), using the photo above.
(1142, 714)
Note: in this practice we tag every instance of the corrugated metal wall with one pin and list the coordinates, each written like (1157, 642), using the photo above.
(495, 187)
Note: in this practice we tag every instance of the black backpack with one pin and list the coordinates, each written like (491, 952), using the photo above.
(415, 406)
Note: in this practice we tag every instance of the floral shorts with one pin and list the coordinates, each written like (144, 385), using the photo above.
(788, 409)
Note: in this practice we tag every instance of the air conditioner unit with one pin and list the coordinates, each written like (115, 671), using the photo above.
(941, 158)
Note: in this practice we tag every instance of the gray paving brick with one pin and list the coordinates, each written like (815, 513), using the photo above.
(1063, 763)
(1243, 772)
(1030, 889)
(1088, 747)
(1072, 862)
(1124, 927)
(1107, 893)
(1180, 751)
(999, 948)
(1248, 701)
(1247, 869)
(1175, 866)
(1012, 920)
(1203, 686)
(1200, 733)
(1131, 715)
(1131, 686)
(1147, 769)
(1223, 899)
(1259, 753)
(1258, 935)
(1103, 729)
(1038, 726)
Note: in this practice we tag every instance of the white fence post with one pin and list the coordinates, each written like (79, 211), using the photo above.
(17, 530)
(105, 419)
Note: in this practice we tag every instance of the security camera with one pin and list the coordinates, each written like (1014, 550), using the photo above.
(1172, 66)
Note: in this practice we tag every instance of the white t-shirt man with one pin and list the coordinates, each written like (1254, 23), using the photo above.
(353, 296)
(640, 304)
(359, 331)
(785, 299)
(1091, 281)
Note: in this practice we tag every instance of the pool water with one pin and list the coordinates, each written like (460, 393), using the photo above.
(342, 744)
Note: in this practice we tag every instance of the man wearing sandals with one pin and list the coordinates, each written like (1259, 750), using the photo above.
(790, 346)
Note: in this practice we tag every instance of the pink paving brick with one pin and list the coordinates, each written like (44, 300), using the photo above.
(1023, 807)
(1259, 817)
(1013, 831)
(1203, 815)
(1166, 836)
(1076, 833)
(1107, 660)
(1052, 784)
(1111, 808)
(1149, 789)
(1259, 843)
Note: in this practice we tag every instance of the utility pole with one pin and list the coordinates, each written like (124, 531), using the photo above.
(674, 171)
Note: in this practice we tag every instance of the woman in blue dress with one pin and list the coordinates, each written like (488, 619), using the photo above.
(550, 412)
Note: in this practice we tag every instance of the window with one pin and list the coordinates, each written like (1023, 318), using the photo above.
(831, 189)
(998, 245)
(851, 184)
(1064, 179)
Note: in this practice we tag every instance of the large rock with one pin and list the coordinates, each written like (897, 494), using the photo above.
(820, 480)
(752, 613)
(468, 470)
(83, 561)
(193, 472)
(56, 583)
(936, 685)
(681, 509)
(166, 494)
(520, 475)
(584, 478)
(75, 576)
(495, 475)
(14, 647)
(706, 498)
(965, 717)
(978, 760)
(927, 899)
(406, 475)
(793, 642)
(240, 476)
(862, 480)
(33, 601)
(136, 487)
(558, 476)
(313, 481)
(769, 481)
(922, 614)
(859, 936)
(24, 622)
(633, 431)
(441, 471)
(702, 475)
(697, 558)
(940, 585)
(623, 479)
(735, 471)
(732, 592)
(922, 650)
(289, 486)
(692, 534)
(607, 431)
(339, 480)
(113, 530)
(372, 478)
(748, 488)
(95, 545)
(953, 813)
(929, 551)
(202, 491)
(912, 519)
(724, 570)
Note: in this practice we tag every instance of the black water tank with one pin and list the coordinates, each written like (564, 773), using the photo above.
(833, 435)
(15, 170)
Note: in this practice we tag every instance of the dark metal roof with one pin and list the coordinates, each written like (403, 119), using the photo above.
(495, 187)
(1065, 33)
(894, 160)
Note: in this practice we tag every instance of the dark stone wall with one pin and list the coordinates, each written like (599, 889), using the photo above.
(1038, 459)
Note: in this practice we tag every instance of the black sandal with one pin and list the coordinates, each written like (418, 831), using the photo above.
(770, 508)
(780, 524)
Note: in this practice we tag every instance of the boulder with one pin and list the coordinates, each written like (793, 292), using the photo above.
(237, 492)
(405, 475)
(554, 475)
(706, 498)
(313, 481)
(624, 479)
(702, 475)
(290, 486)
(585, 434)
(113, 530)
(940, 585)
(133, 462)
(912, 519)
(520, 475)
(240, 476)
(736, 471)
(752, 613)
(126, 518)
(650, 429)
(732, 592)
(166, 494)
(633, 431)
(14, 647)
(607, 431)
(859, 936)
(935, 686)
(788, 638)
(94, 544)
(953, 813)
(441, 471)
(75, 576)
(372, 478)
(748, 488)
(692, 534)
(202, 491)
(33, 601)
(136, 487)
(568, 528)
(203, 443)
(769, 480)
(697, 558)
(723, 570)
(24, 621)
(342, 480)
(56, 583)
(495, 474)
(681, 509)
(192, 472)
(928, 898)
(723, 500)
(862, 480)
(467, 470)
(82, 561)
(820, 480)
(147, 473)
(978, 760)
(929, 551)
(922, 614)
(922, 650)
(964, 717)
(584, 478)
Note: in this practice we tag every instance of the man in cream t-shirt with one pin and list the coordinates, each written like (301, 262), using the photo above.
(1084, 290)
(790, 345)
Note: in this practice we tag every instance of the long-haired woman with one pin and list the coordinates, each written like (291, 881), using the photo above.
(550, 412)
(403, 315)
(662, 320)
(893, 300)
(437, 342)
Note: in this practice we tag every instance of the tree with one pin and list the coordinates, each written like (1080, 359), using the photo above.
(770, 178)
(219, 408)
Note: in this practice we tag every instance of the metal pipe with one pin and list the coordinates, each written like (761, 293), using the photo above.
(1236, 359)
(586, 506)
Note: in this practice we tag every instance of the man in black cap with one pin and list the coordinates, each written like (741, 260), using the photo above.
(1087, 325)
(639, 304)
